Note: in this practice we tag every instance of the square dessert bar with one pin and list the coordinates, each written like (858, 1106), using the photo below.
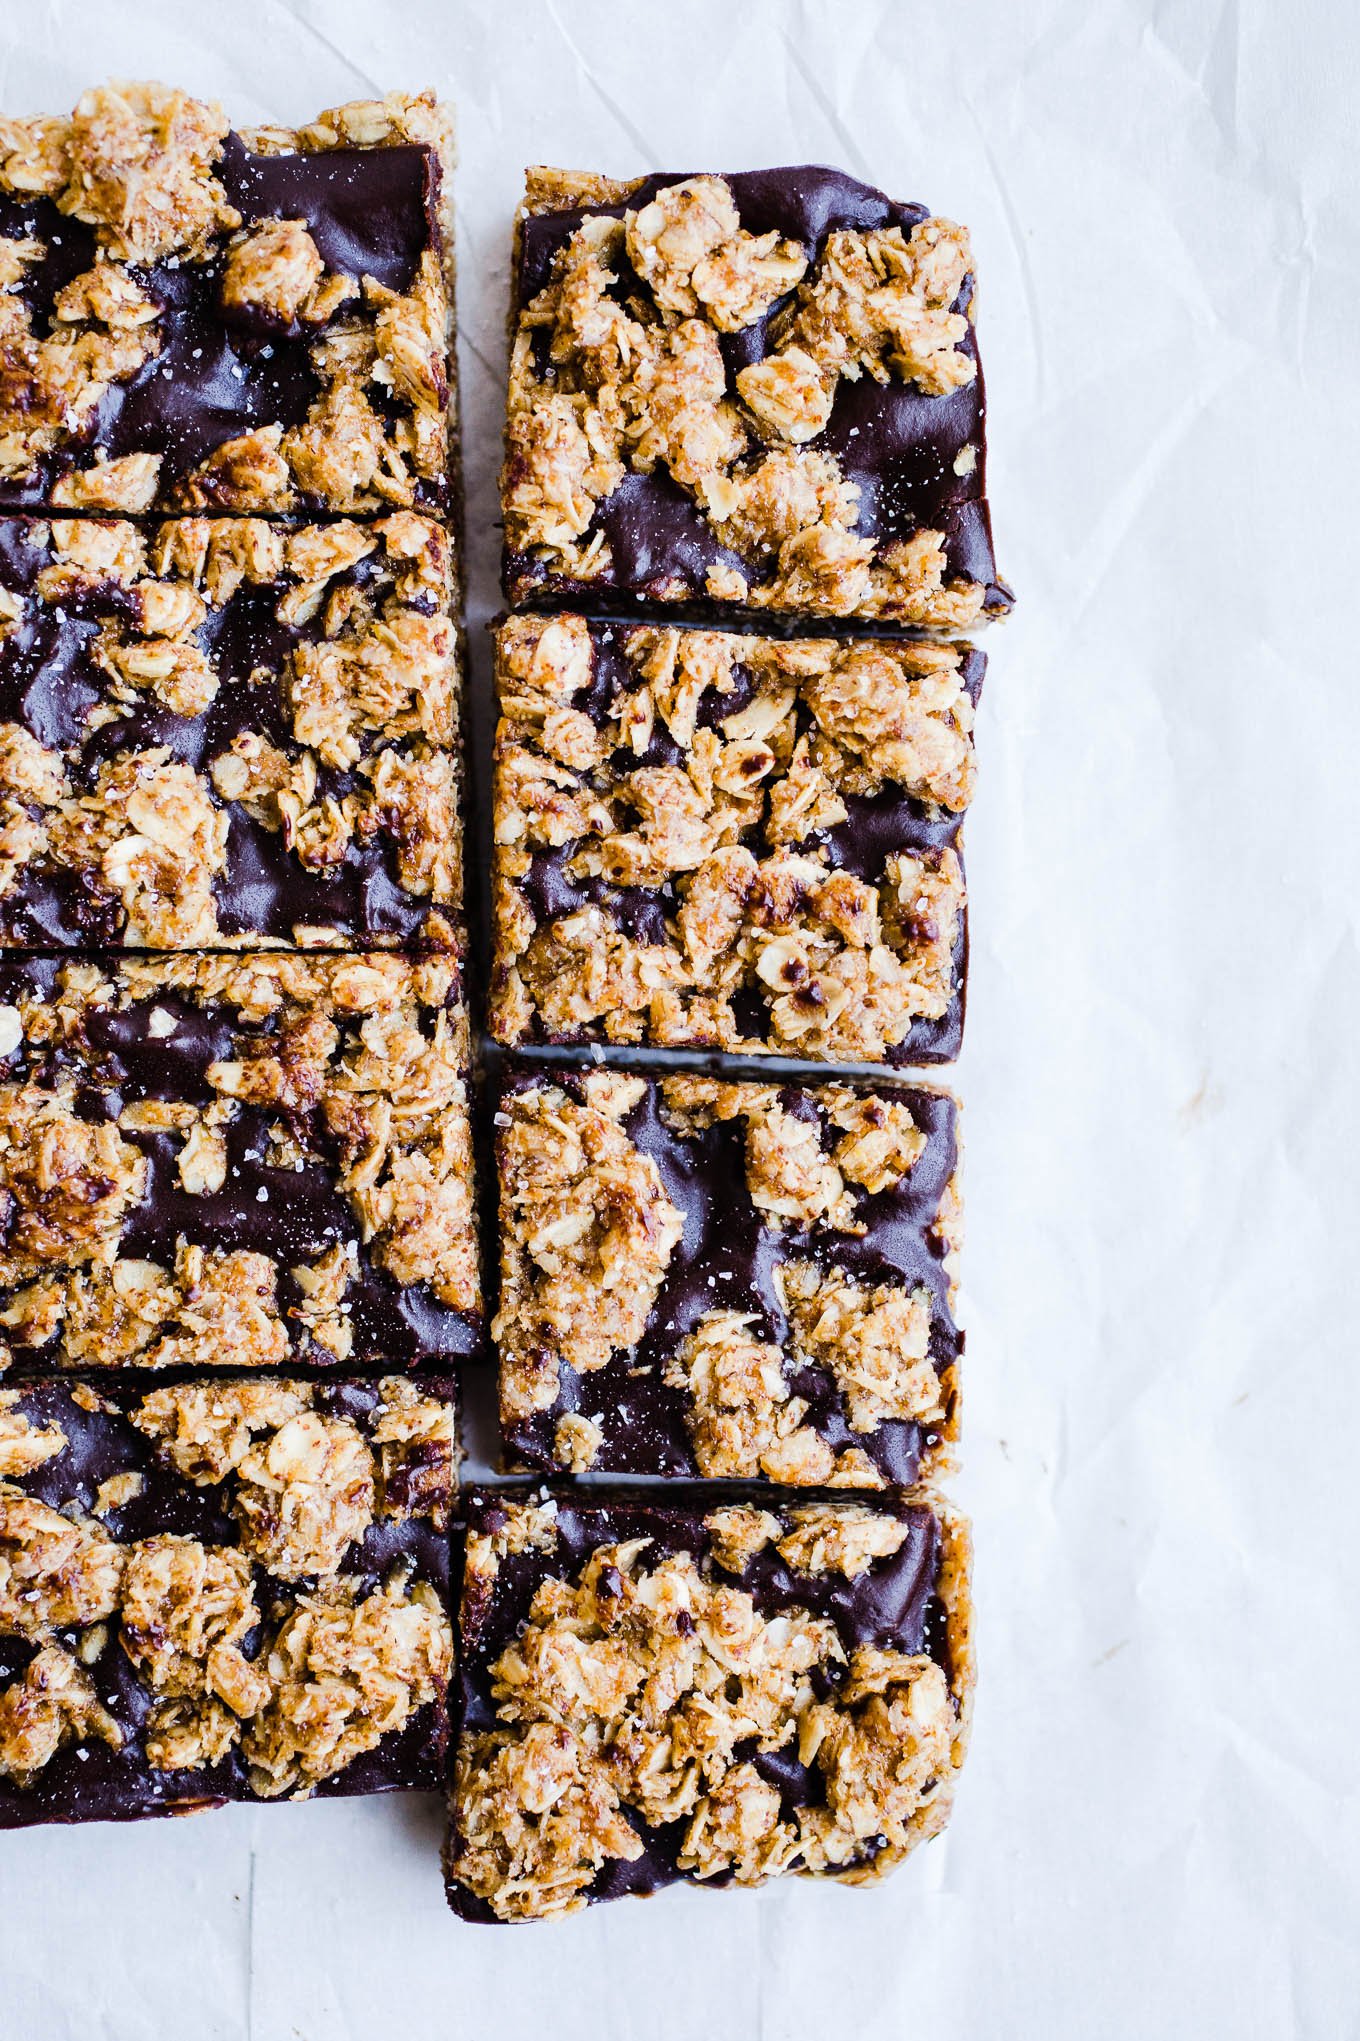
(194, 319)
(758, 392)
(710, 840)
(246, 1162)
(224, 1590)
(220, 730)
(730, 1280)
(717, 1693)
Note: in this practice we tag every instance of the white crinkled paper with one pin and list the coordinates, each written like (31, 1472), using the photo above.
(1158, 1832)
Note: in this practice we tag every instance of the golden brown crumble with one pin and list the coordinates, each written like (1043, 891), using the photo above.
(51, 1704)
(605, 383)
(736, 833)
(587, 1232)
(369, 1045)
(186, 1610)
(742, 1418)
(23, 1444)
(137, 163)
(345, 1670)
(642, 1684)
(416, 1453)
(873, 1340)
(56, 1572)
(371, 691)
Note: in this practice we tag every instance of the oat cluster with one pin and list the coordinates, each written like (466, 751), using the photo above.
(589, 1235)
(646, 1687)
(140, 166)
(267, 1646)
(618, 369)
(732, 837)
(364, 699)
(358, 1065)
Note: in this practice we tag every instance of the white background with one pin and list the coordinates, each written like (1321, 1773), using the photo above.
(1157, 1833)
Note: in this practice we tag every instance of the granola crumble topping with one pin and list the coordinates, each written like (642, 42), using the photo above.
(792, 1324)
(617, 371)
(642, 1689)
(793, 858)
(358, 389)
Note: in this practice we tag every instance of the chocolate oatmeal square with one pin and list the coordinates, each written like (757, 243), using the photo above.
(238, 1162)
(754, 392)
(196, 319)
(217, 731)
(226, 1589)
(706, 839)
(719, 1693)
(735, 1281)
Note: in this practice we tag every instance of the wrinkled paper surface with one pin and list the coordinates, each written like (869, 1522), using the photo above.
(1157, 1832)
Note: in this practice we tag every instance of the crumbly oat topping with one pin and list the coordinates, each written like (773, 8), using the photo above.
(345, 1671)
(579, 1292)
(53, 1703)
(361, 1062)
(416, 1457)
(368, 694)
(56, 1572)
(741, 1415)
(23, 1444)
(139, 165)
(299, 1683)
(611, 377)
(587, 1231)
(186, 1611)
(732, 837)
(641, 1685)
(873, 1340)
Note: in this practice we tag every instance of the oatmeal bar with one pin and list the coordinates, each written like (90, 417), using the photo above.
(754, 392)
(195, 319)
(217, 731)
(708, 839)
(250, 1161)
(713, 1693)
(225, 1590)
(732, 1280)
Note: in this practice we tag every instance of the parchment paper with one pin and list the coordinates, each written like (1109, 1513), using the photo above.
(1157, 1834)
